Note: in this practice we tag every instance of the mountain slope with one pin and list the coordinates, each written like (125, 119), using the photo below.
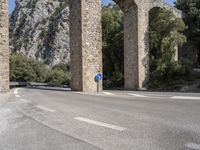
(40, 29)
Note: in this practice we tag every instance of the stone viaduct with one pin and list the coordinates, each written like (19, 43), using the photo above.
(86, 43)
(86, 57)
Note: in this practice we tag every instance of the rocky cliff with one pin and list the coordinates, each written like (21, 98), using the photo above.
(40, 29)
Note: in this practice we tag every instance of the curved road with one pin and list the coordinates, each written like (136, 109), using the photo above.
(47, 119)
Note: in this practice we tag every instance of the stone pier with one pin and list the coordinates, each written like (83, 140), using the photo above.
(136, 45)
(4, 47)
(85, 44)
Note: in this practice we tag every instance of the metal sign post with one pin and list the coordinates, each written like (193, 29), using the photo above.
(98, 78)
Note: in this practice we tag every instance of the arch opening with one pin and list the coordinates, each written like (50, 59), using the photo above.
(123, 71)
(113, 46)
(165, 38)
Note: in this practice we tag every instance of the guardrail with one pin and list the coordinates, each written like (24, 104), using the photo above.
(14, 84)
(196, 70)
(32, 84)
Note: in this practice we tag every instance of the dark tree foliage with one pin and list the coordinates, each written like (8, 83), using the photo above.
(59, 75)
(191, 10)
(165, 34)
(112, 46)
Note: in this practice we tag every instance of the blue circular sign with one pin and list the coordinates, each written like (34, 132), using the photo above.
(99, 77)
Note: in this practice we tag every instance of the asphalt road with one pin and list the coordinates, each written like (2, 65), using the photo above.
(41, 119)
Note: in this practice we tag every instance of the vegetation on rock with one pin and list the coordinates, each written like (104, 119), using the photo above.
(40, 29)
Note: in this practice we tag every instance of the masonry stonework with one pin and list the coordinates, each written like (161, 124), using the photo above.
(136, 40)
(86, 44)
(4, 47)
(136, 44)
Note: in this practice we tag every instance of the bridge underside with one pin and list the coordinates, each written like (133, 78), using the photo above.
(86, 43)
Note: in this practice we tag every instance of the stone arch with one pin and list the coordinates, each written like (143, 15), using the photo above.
(136, 42)
(161, 4)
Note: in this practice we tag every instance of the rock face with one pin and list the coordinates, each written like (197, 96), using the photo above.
(40, 29)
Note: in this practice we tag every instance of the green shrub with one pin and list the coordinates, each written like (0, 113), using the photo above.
(166, 33)
(59, 75)
(63, 67)
(57, 78)
(171, 74)
(23, 69)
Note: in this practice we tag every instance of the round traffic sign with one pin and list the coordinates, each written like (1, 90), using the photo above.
(99, 77)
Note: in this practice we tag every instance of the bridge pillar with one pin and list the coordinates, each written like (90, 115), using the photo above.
(136, 46)
(4, 47)
(85, 44)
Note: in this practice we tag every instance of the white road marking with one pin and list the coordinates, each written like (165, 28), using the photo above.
(102, 124)
(108, 93)
(24, 100)
(185, 97)
(18, 96)
(45, 108)
(137, 95)
(79, 93)
(193, 146)
(16, 91)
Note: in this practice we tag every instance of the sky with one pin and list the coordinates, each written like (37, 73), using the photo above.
(11, 3)
(167, 1)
